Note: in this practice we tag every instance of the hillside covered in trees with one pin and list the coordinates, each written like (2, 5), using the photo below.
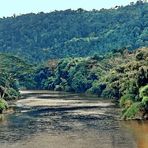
(120, 76)
(14, 73)
(97, 52)
(79, 33)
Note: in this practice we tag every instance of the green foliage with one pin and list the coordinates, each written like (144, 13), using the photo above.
(132, 87)
(116, 76)
(14, 73)
(12, 94)
(43, 78)
(110, 92)
(97, 57)
(80, 83)
(126, 100)
(133, 111)
(97, 88)
(144, 94)
(74, 33)
(145, 100)
(112, 70)
(3, 105)
(144, 91)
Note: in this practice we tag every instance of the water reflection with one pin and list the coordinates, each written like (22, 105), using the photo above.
(2, 117)
(140, 131)
(75, 121)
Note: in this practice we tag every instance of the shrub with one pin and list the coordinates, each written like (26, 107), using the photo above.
(110, 93)
(97, 57)
(97, 88)
(142, 76)
(58, 88)
(142, 54)
(144, 91)
(133, 111)
(80, 83)
(49, 83)
(127, 100)
(145, 100)
(12, 94)
(139, 56)
(120, 69)
(3, 105)
(131, 86)
(144, 94)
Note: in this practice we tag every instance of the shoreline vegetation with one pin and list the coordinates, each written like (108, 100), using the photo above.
(99, 52)
(124, 83)
(120, 76)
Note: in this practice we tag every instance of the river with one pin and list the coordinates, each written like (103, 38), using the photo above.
(46, 119)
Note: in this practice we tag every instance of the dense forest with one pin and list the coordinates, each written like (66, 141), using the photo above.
(74, 33)
(14, 73)
(120, 76)
(97, 52)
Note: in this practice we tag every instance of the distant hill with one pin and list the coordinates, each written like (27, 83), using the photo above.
(60, 34)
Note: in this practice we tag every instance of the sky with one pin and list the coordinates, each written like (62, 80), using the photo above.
(10, 7)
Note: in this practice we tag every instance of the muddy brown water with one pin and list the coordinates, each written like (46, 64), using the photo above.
(46, 119)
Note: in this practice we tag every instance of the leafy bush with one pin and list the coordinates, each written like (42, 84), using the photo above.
(80, 83)
(126, 100)
(144, 94)
(3, 105)
(97, 57)
(12, 94)
(109, 92)
(144, 91)
(97, 88)
(139, 56)
(133, 111)
(132, 87)
(145, 100)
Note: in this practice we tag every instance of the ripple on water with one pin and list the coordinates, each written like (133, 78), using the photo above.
(71, 122)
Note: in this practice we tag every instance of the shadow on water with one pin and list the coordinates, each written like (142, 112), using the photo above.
(81, 124)
(46, 94)
(2, 118)
(57, 95)
(69, 108)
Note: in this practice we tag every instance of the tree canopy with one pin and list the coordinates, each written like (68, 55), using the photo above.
(79, 33)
